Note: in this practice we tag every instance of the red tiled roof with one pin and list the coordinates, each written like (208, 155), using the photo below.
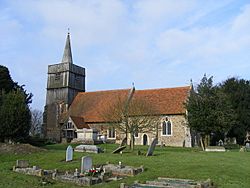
(166, 101)
(90, 105)
(79, 122)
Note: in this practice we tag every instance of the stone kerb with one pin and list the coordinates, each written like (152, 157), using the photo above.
(120, 170)
(106, 173)
(215, 149)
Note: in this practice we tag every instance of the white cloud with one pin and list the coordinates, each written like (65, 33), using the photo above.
(92, 22)
(152, 11)
(154, 43)
(242, 21)
(207, 44)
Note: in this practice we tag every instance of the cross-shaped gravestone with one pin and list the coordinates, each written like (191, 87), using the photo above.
(152, 147)
(69, 153)
(86, 164)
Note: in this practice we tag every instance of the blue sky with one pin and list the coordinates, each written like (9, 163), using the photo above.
(153, 43)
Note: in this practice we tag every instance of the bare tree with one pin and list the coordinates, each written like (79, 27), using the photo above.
(36, 122)
(138, 116)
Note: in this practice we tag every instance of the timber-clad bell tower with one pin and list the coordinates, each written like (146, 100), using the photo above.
(65, 80)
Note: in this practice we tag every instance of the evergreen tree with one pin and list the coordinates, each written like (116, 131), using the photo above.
(6, 83)
(238, 91)
(209, 110)
(14, 109)
(14, 116)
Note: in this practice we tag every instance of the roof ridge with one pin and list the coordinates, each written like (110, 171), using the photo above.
(163, 88)
(125, 89)
(105, 90)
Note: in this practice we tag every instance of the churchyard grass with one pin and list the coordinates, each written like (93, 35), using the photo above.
(226, 169)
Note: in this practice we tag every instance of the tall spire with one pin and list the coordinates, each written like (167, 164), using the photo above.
(67, 55)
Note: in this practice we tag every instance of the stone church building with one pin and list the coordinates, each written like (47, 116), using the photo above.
(72, 114)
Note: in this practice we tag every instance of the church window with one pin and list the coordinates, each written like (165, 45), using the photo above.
(69, 125)
(111, 132)
(166, 127)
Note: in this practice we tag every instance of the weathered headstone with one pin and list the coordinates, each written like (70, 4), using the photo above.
(247, 146)
(22, 163)
(119, 149)
(103, 138)
(124, 142)
(152, 147)
(76, 173)
(86, 164)
(220, 143)
(69, 153)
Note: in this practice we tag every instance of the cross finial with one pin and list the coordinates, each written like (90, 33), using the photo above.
(68, 30)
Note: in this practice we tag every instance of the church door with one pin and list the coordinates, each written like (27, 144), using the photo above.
(145, 139)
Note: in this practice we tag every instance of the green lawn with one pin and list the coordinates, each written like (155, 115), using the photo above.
(228, 169)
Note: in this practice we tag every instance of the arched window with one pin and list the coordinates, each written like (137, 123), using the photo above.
(69, 125)
(166, 127)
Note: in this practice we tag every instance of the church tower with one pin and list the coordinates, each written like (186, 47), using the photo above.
(65, 80)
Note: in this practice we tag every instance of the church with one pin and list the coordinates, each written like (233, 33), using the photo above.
(72, 114)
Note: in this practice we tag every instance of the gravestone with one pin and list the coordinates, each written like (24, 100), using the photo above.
(220, 143)
(124, 142)
(119, 149)
(69, 153)
(103, 138)
(152, 147)
(86, 164)
(76, 173)
(247, 146)
(22, 164)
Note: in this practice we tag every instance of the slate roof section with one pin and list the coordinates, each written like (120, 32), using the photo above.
(90, 105)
